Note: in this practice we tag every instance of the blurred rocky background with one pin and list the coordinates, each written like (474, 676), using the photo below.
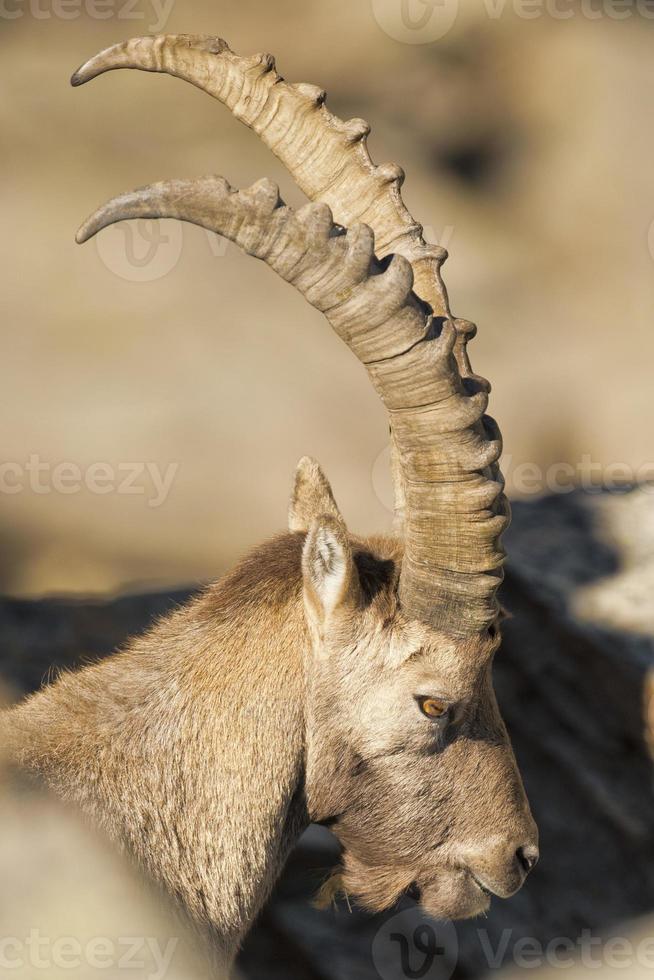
(158, 389)
(525, 131)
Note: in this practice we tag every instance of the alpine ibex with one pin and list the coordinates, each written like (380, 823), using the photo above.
(328, 678)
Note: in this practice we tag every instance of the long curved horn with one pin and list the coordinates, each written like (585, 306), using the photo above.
(327, 157)
(455, 510)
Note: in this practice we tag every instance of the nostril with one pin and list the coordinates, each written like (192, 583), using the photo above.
(527, 857)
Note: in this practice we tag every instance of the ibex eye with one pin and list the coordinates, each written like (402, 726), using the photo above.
(433, 707)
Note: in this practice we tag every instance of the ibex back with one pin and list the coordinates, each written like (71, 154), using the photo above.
(328, 678)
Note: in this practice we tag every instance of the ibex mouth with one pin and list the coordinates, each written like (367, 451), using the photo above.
(486, 891)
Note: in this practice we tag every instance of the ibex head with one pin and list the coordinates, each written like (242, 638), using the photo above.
(407, 757)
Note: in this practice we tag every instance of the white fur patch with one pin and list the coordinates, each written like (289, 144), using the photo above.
(329, 568)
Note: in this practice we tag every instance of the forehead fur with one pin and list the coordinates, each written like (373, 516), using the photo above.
(273, 574)
(378, 560)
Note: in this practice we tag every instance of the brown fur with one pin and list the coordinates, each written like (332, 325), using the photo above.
(284, 694)
(188, 746)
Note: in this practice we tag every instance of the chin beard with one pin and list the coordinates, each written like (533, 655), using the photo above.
(448, 894)
(376, 888)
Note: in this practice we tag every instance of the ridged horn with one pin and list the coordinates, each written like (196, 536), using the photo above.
(447, 448)
(327, 157)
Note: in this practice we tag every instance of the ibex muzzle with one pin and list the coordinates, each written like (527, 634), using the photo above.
(328, 678)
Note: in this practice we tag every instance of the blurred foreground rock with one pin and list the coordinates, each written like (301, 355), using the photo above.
(71, 907)
(572, 679)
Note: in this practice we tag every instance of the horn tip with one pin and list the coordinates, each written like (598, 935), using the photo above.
(83, 233)
(86, 72)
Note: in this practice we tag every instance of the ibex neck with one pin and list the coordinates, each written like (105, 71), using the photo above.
(195, 738)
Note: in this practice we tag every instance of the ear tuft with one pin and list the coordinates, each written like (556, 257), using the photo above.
(312, 496)
(330, 575)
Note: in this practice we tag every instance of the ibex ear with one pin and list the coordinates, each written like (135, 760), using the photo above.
(312, 496)
(331, 580)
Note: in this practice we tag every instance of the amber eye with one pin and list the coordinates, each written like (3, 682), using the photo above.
(432, 707)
